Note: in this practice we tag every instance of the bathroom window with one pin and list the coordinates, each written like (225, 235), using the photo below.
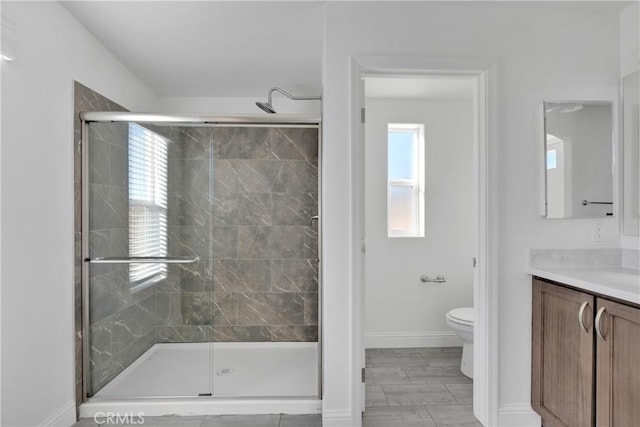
(147, 203)
(405, 180)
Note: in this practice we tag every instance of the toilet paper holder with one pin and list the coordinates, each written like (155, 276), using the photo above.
(439, 279)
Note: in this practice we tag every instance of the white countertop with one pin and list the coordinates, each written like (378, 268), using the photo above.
(616, 282)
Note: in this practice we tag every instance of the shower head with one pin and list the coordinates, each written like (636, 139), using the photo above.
(266, 107)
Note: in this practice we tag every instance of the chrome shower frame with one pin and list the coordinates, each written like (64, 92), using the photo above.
(280, 120)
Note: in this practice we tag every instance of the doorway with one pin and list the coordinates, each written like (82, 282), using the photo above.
(484, 293)
(420, 237)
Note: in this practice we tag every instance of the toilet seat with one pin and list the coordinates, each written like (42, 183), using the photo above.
(461, 316)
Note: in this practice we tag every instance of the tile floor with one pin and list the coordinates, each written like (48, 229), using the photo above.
(408, 387)
(404, 388)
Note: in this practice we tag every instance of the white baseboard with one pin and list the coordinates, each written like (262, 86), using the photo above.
(64, 417)
(518, 416)
(412, 339)
(338, 419)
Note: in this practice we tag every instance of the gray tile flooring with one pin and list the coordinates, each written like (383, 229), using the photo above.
(404, 388)
(408, 387)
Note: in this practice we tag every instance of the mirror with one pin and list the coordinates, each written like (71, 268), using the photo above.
(630, 134)
(579, 159)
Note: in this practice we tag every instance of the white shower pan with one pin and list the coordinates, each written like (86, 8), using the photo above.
(243, 378)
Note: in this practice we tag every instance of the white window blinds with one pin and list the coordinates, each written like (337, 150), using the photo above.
(147, 202)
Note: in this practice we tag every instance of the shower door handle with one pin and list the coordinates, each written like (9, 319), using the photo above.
(143, 260)
(314, 218)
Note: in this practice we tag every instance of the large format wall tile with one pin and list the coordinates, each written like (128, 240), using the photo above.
(270, 309)
(294, 333)
(182, 334)
(197, 308)
(294, 143)
(241, 275)
(294, 275)
(196, 277)
(225, 242)
(241, 334)
(271, 242)
(225, 176)
(294, 208)
(242, 143)
(225, 309)
(242, 209)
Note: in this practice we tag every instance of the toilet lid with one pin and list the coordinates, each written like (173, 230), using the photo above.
(462, 315)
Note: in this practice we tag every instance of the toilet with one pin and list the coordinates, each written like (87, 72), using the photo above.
(461, 320)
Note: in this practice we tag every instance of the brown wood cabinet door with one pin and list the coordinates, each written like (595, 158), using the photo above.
(562, 356)
(618, 365)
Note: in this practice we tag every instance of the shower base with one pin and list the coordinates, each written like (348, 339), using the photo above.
(242, 378)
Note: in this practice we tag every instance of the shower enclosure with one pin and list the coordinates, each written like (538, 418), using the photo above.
(201, 263)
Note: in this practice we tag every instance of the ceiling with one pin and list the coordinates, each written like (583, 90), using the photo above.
(212, 48)
(433, 87)
(238, 48)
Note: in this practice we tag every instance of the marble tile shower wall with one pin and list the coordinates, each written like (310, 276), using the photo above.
(251, 226)
(184, 307)
(86, 99)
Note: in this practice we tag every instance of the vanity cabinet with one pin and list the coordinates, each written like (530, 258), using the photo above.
(585, 359)
(617, 365)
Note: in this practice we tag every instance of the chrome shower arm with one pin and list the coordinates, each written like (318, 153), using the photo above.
(288, 95)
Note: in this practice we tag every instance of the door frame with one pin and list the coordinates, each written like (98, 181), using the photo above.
(485, 289)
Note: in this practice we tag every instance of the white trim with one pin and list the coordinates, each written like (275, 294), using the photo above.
(518, 416)
(358, 242)
(337, 418)
(485, 278)
(630, 242)
(65, 416)
(412, 339)
(198, 406)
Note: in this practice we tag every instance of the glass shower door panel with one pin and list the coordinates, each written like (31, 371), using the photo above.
(265, 325)
(150, 300)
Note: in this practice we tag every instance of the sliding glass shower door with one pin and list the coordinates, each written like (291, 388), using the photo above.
(150, 246)
(202, 260)
(265, 283)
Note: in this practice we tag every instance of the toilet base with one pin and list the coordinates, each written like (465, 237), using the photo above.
(466, 365)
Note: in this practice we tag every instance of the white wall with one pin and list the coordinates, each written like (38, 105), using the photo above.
(52, 49)
(544, 51)
(401, 311)
(630, 39)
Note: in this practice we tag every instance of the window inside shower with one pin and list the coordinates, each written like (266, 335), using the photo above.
(202, 277)
(148, 180)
